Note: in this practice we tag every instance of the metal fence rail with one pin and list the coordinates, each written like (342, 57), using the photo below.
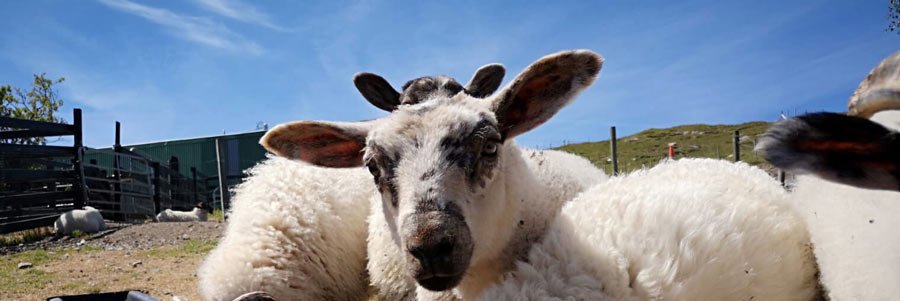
(38, 182)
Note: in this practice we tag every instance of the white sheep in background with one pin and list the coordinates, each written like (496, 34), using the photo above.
(198, 214)
(87, 220)
(461, 204)
(287, 208)
(853, 230)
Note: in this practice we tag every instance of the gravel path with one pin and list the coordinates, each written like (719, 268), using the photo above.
(130, 237)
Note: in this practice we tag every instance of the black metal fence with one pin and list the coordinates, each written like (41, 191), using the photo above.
(125, 184)
(38, 182)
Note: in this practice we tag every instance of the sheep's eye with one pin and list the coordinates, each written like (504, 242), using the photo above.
(373, 169)
(490, 149)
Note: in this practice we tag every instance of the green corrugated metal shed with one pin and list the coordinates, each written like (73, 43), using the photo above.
(239, 151)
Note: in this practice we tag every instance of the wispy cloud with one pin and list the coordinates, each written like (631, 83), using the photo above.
(240, 11)
(193, 29)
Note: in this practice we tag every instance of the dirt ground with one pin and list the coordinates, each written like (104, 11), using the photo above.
(158, 258)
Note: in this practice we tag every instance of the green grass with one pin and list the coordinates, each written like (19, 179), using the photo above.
(79, 234)
(76, 285)
(87, 249)
(217, 215)
(648, 147)
(13, 279)
(189, 247)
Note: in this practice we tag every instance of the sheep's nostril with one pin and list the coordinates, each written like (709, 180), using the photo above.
(442, 249)
(417, 252)
(430, 255)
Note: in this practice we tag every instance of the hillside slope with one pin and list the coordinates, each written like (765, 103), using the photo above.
(648, 147)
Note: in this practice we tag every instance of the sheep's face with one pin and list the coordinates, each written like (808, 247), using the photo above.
(437, 164)
(433, 164)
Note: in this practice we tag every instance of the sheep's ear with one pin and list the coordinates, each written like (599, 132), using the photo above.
(377, 90)
(327, 144)
(835, 147)
(543, 89)
(486, 80)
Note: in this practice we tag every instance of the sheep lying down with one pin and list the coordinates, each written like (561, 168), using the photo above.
(261, 245)
(282, 236)
(691, 229)
(87, 220)
(198, 214)
(463, 213)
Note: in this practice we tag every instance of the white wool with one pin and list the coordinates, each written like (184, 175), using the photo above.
(854, 233)
(258, 253)
(170, 215)
(692, 229)
(87, 220)
(295, 231)
(562, 175)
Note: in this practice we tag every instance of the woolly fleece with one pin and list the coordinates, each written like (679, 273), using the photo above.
(854, 233)
(295, 231)
(692, 229)
(563, 173)
(170, 215)
(87, 220)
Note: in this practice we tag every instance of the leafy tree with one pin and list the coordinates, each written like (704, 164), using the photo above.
(40, 104)
(894, 16)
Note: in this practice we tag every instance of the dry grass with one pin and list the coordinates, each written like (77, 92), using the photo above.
(162, 272)
(24, 237)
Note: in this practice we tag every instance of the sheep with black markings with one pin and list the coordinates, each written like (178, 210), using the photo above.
(200, 213)
(87, 220)
(563, 173)
(851, 201)
(461, 204)
(287, 207)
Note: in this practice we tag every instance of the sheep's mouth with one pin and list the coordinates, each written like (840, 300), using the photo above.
(439, 283)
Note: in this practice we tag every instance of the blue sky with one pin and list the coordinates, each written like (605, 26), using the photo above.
(177, 69)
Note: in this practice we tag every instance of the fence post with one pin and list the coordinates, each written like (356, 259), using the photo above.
(173, 181)
(781, 177)
(81, 193)
(223, 189)
(117, 173)
(612, 150)
(737, 146)
(156, 191)
(194, 185)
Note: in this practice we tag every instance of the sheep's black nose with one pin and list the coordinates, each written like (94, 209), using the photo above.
(434, 257)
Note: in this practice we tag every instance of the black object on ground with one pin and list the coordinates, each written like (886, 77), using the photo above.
(115, 296)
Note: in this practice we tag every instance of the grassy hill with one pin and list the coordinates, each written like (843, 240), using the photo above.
(648, 147)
